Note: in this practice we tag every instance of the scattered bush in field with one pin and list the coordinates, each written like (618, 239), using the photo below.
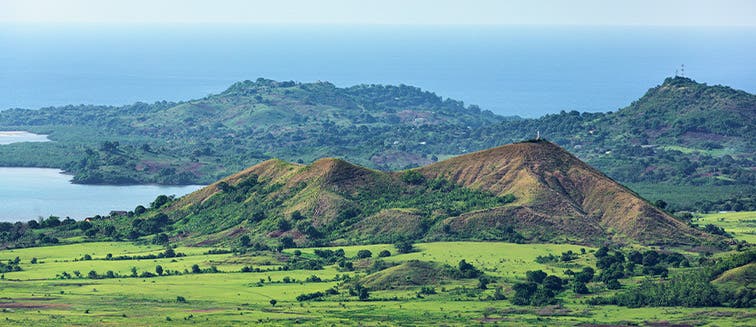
(180, 299)
(313, 279)
(467, 270)
(363, 254)
(404, 246)
(310, 296)
(384, 253)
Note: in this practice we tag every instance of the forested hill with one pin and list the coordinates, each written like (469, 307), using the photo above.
(386, 127)
(679, 133)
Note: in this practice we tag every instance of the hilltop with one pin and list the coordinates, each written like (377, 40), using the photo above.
(525, 192)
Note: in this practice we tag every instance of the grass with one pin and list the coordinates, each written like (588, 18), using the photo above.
(685, 196)
(711, 152)
(35, 297)
(741, 225)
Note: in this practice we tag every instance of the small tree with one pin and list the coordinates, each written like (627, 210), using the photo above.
(413, 177)
(273, 302)
(363, 254)
(244, 241)
(404, 246)
(384, 253)
(536, 276)
(159, 270)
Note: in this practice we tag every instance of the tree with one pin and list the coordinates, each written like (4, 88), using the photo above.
(196, 269)
(661, 204)
(553, 283)
(296, 215)
(160, 239)
(586, 275)
(363, 254)
(413, 177)
(523, 293)
(404, 246)
(160, 201)
(140, 209)
(287, 242)
(283, 225)
(159, 270)
(244, 241)
(536, 276)
(467, 270)
(384, 253)
(580, 288)
(33, 224)
(273, 302)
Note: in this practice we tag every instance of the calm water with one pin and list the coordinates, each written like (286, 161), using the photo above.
(526, 71)
(28, 193)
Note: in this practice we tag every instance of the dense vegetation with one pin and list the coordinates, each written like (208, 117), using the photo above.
(681, 133)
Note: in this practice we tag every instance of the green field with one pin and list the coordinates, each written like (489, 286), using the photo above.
(741, 225)
(35, 297)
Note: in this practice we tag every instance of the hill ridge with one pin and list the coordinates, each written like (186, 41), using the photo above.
(532, 190)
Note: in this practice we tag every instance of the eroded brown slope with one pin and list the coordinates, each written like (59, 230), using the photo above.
(558, 193)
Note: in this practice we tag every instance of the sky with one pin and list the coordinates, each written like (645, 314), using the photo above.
(394, 12)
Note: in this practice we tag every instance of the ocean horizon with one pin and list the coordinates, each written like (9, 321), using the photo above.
(527, 71)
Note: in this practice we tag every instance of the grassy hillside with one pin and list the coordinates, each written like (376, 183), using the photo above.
(525, 192)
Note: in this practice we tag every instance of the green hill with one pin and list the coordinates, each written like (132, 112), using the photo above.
(678, 135)
(525, 192)
(199, 141)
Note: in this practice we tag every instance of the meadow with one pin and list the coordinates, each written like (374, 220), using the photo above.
(37, 296)
(741, 225)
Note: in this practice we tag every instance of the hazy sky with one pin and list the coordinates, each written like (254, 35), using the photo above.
(558, 12)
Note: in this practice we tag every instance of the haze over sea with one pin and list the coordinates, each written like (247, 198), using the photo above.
(510, 70)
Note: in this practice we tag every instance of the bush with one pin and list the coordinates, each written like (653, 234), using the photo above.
(180, 299)
(384, 253)
(404, 246)
(413, 177)
(363, 254)
(310, 296)
(536, 276)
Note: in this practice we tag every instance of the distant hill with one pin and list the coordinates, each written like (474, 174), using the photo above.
(679, 134)
(680, 131)
(199, 141)
(525, 192)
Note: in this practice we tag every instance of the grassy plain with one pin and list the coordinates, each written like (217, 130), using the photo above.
(35, 297)
(741, 225)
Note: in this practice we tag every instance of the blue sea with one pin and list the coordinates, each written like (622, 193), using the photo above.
(510, 70)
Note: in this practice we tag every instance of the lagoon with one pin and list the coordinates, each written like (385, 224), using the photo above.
(29, 193)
